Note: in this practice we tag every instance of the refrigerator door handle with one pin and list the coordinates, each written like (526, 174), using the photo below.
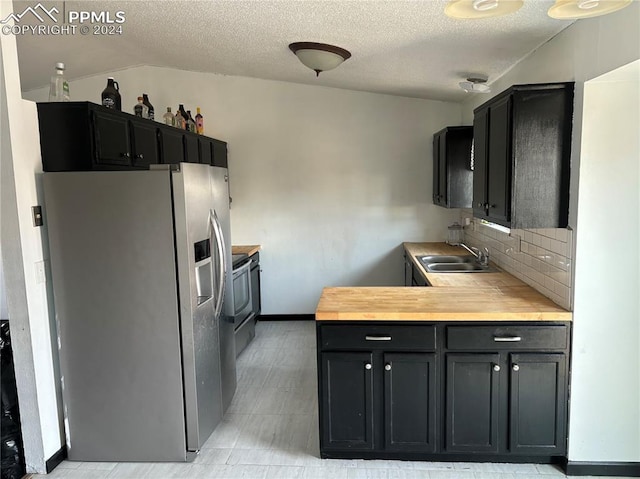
(222, 266)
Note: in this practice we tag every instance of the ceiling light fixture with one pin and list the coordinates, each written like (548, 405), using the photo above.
(473, 9)
(319, 57)
(577, 9)
(475, 84)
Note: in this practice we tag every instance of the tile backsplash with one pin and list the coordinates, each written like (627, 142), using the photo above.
(539, 257)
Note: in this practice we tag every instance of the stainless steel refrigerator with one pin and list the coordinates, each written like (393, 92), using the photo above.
(141, 271)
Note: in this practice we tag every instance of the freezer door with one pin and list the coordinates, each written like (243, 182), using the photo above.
(220, 207)
(114, 280)
(195, 240)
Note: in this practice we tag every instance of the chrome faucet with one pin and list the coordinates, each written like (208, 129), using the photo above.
(482, 256)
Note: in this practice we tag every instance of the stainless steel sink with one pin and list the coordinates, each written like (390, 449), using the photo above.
(453, 264)
(446, 259)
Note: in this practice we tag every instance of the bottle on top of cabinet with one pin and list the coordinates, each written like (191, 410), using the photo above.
(169, 118)
(199, 122)
(191, 124)
(185, 117)
(111, 95)
(178, 120)
(151, 111)
(141, 109)
(59, 87)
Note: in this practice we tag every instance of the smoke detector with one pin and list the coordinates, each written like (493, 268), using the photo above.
(475, 84)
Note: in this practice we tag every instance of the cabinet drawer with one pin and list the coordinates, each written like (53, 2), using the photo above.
(375, 337)
(507, 337)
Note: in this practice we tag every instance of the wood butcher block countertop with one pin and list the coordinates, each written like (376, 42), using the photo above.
(245, 249)
(453, 297)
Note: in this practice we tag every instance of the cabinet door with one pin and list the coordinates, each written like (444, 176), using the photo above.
(111, 139)
(206, 151)
(192, 149)
(480, 132)
(443, 173)
(409, 402)
(472, 402)
(347, 401)
(499, 162)
(219, 153)
(408, 271)
(538, 403)
(145, 144)
(172, 146)
(436, 169)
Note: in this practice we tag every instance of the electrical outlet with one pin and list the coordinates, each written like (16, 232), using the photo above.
(41, 273)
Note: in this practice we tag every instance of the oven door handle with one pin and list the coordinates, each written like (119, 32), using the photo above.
(238, 271)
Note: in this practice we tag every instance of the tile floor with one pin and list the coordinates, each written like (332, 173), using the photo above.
(270, 430)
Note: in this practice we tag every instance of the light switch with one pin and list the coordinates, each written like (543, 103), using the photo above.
(37, 215)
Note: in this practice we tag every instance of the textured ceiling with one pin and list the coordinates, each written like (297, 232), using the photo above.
(407, 48)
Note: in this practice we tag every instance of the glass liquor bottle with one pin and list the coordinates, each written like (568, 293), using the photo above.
(168, 117)
(191, 124)
(145, 100)
(141, 109)
(59, 87)
(199, 122)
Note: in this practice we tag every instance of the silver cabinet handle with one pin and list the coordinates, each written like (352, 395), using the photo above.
(496, 367)
(507, 339)
(377, 338)
(516, 367)
(367, 366)
(387, 367)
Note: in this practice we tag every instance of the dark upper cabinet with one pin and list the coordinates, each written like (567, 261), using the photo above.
(452, 174)
(192, 148)
(80, 136)
(145, 149)
(171, 146)
(112, 139)
(522, 148)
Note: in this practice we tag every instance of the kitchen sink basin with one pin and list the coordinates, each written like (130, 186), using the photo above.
(453, 264)
(446, 259)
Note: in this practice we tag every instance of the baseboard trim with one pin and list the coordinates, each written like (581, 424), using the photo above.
(56, 459)
(287, 317)
(628, 469)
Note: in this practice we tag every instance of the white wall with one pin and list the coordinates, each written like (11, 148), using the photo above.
(600, 398)
(28, 301)
(330, 182)
(607, 303)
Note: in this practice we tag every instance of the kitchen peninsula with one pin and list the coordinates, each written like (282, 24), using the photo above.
(474, 368)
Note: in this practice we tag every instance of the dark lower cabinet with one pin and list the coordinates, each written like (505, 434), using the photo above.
(473, 383)
(347, 400)
(409, 402)
(443, 391)
(538, 403)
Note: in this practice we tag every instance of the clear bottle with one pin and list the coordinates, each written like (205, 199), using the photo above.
(168, 117)
(111, 95)
(178, 120)
(191, 124)
(199, 122)
(59, 87)
(145, 100)
(141, 109)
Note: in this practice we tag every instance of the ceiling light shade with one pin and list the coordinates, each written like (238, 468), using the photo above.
(473, 9)
(577, 9)
(475, 85)
(319, 57)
